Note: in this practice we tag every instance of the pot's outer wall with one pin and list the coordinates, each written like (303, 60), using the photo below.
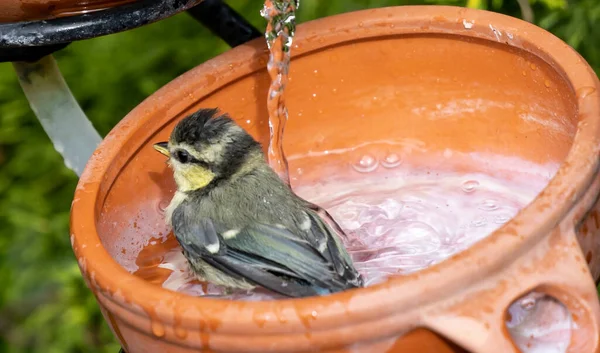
(29, 10)
(449, 79)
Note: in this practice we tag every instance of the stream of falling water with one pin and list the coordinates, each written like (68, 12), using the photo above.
(281, 27)
(281, 17)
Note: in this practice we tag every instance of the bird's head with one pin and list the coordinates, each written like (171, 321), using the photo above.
(207, 146)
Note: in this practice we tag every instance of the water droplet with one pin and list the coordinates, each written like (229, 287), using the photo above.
(584, 92)
(316, 71)
(158, 329)
(391, 161)
(248, 121)
(533, 66)
(527, 303)
(299, 171)
(314, 94)
(284, 284)
(314, 314)
(547, 83)
(366, 164)
(360, 24)
(180, 332)
(489, 205)
(470, 185)
(334, 90)
(524, 73)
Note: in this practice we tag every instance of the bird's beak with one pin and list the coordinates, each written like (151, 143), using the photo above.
(162, 147)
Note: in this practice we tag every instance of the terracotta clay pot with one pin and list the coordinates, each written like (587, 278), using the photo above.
(29, 10)
(414, 60)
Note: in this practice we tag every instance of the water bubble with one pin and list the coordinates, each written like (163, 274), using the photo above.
(366, 164)
(470, 185)
(162, 206)
(314, 95)
(479, 222)
(501, 219)
(391, 161)
(489, 205)
(314, 314)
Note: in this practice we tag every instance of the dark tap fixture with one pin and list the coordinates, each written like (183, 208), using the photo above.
(32, 40)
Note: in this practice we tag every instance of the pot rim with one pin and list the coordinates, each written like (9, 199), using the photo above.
(398, 294)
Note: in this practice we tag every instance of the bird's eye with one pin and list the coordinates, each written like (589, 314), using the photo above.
(182, 156)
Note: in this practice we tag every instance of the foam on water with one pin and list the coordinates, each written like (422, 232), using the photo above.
(399, 225)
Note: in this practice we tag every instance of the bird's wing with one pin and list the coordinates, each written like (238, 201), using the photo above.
(331, 248)
(268, 256)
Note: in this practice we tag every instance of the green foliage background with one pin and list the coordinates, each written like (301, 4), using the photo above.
(44, 304)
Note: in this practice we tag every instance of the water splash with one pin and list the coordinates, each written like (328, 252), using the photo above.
(281, 17)
(390, 226)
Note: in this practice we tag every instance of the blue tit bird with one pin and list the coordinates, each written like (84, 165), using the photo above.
(239, 225)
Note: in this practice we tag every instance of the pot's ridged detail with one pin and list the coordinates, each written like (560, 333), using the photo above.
(542, 105)
(555, 266)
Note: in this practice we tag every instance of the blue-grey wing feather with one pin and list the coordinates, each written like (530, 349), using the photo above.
(262, 254)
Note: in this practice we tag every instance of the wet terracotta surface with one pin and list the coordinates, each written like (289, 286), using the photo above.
(461, 81)
(28, 10)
